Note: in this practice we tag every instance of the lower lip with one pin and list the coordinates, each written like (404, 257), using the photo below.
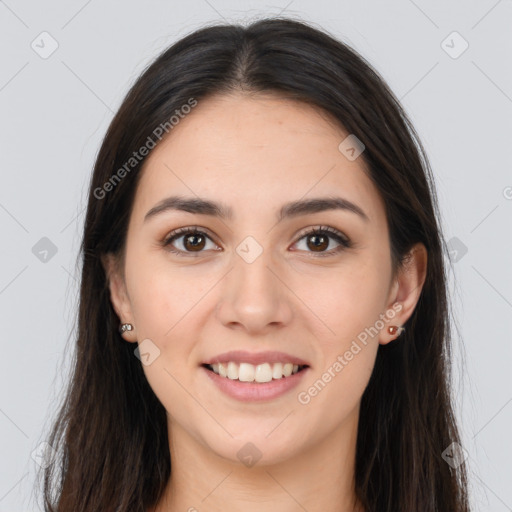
(255, 391)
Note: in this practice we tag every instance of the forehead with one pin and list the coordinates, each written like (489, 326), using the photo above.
(255, 151)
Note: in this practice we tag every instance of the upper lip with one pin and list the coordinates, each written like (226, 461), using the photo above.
(255, 358)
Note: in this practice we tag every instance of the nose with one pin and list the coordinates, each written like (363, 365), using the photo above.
(254, 296)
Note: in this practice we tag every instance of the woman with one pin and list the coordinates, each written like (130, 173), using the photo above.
(263, 317)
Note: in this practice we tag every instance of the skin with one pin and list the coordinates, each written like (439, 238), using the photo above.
(254, 153)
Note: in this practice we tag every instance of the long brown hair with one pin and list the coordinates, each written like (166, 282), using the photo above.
(110, 434)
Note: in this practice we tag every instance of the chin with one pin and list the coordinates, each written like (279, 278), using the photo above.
(255, 447)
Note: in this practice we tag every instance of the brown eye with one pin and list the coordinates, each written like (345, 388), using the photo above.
(187, 241)
(318, 242)
(194, 241)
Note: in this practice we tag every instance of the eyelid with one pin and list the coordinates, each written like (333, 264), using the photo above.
(188, 229)
(321, 228)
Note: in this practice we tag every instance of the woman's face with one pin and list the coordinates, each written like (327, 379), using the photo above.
(254, 280)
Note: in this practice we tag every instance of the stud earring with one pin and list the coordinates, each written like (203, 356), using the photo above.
(394, 329)
(125, 327)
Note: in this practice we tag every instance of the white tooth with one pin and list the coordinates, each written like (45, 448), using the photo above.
(277, 370)
(246, 372)
(232, 370)
(263, 373)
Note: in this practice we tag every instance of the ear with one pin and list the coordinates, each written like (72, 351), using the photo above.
(406, 290)
(118, 293)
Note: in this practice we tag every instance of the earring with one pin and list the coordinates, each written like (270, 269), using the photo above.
(125, 327)
(394, 329)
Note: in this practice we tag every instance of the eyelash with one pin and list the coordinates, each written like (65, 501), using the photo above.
(344, 242)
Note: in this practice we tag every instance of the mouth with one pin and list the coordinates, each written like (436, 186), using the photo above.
(255, 373)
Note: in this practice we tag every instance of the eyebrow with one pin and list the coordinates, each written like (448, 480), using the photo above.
(202, 206)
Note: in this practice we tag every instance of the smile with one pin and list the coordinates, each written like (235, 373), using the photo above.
(268, 387)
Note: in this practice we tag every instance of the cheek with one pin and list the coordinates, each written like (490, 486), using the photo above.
(161, 293)
(349, 301)
(347, 343)
(347, 298)
(168, 307)
(155, 302)
(335, 393)
(163, 307)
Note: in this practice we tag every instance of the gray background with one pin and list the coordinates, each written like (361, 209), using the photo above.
(55, 111)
